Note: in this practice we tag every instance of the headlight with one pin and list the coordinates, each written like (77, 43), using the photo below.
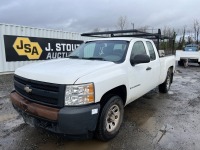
(79, 94)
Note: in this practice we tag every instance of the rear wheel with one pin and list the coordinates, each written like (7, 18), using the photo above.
(110, 119)
(180, 63)
(165, 86)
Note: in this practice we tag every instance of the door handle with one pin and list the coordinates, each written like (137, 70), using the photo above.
(148, 68)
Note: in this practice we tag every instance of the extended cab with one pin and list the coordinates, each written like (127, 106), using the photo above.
(86, 93)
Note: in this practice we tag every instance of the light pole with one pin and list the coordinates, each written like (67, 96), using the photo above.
(133, 25)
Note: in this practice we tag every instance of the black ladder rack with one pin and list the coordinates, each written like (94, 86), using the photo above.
(131, 33)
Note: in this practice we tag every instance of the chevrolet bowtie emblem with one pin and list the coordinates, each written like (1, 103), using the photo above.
(27, 89)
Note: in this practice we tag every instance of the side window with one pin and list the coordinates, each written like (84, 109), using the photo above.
(151, 50)
(89, 50)
(138, 48)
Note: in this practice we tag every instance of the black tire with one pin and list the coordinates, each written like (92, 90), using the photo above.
(165, 86)
(110, 121)
(180, 63)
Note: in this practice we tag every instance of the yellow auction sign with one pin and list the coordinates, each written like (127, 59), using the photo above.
(19, 48)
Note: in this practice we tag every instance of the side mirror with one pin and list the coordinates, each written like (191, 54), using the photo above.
(139, 59)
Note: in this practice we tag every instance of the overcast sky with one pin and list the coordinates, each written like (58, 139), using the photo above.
(86, 15)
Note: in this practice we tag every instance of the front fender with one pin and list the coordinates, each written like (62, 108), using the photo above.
(105, 80)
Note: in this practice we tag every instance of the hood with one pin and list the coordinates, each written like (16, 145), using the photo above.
(61, 71)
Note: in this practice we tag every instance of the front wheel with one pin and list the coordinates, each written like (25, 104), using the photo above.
(165, 86)
(110, 119)
(180, 63)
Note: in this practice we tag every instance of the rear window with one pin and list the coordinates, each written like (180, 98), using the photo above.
(151, 50)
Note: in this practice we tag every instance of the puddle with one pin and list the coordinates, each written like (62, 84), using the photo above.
(189, 79)
(162, 132)
(177, 77)
(3, 94)
(7, 117)
(194, 102)
(170, 92)
(178, 71)
(76, 145)
(170, 138)
(13, 123)
(193, 81)
(150, 126)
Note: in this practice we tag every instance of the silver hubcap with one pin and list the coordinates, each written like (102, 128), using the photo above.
(112, 119)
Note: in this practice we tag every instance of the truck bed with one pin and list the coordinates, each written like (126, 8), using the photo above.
(165, 63)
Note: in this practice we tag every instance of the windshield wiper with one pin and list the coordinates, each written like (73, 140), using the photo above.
(94, 58)
(75, 57)
(90, 58)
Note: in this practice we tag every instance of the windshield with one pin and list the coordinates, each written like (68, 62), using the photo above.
(107, 50)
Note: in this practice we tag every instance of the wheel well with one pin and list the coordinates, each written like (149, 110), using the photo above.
(172, 73)
(120, 91)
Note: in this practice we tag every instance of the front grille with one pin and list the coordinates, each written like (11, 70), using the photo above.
(41, 92)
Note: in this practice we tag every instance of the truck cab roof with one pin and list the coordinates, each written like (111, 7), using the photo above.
(120, 38)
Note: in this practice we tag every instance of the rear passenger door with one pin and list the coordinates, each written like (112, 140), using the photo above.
(154, 72)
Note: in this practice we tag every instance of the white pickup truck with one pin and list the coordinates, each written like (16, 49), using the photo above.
(85, 94)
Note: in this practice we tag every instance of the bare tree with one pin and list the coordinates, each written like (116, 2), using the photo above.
(168, 44)
(196, 26)
(143, 28)
(189, 40)
(182, 39)
(122, 22)
(167, 31)
(97, 29)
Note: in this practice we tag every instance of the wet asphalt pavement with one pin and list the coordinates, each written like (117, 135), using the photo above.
(155, 121)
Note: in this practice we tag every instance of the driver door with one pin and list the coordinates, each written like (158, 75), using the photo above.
(139, 82)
